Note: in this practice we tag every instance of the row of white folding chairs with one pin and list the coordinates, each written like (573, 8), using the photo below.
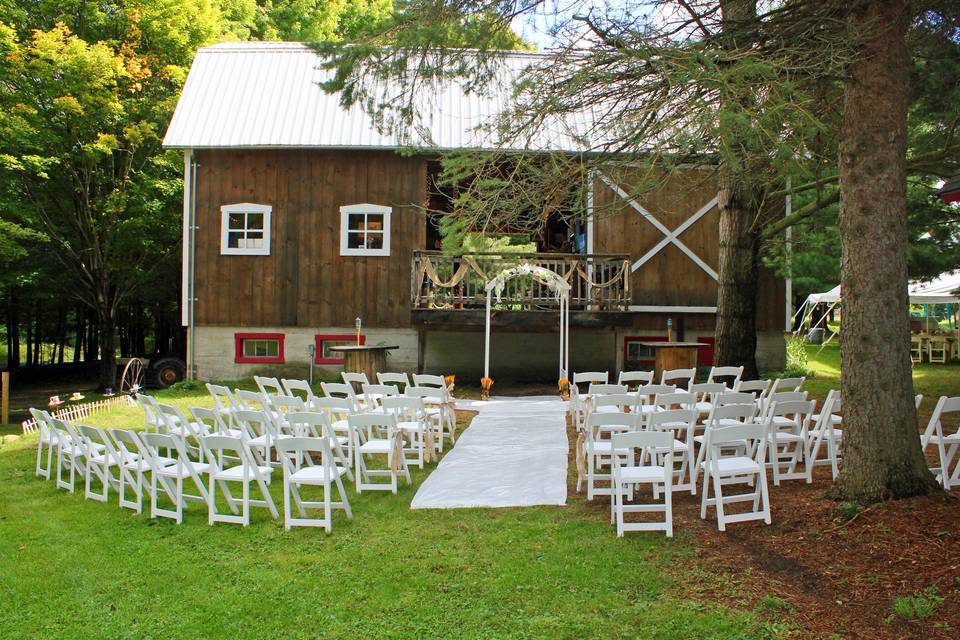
(121, 459)
(731, 377)
(790, 414)
(262, 418)
(434, 391)
(788, 441)
(705, 395)
(734, 453)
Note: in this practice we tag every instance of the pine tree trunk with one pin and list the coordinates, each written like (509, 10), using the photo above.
(735, 335)
(881, 446)
(736, 329)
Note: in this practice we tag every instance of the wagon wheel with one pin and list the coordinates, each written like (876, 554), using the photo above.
(131, 380)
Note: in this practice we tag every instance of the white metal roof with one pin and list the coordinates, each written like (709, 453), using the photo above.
(267, 95)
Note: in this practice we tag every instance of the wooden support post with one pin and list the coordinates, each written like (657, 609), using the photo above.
(5, 394)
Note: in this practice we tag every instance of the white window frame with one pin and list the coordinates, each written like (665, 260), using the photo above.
(363, 209)
(245, 207)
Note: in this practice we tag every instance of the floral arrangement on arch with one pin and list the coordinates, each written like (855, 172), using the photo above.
(554, 281)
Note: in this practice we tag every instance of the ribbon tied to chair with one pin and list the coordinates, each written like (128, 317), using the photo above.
(581, 450)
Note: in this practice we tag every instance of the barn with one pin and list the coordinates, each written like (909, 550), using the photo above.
(299, 218)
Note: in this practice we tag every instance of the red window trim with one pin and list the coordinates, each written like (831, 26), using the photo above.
(319, 339)
(628, 339)
(239, 358)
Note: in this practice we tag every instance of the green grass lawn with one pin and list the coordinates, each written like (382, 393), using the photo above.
(71, 567)
(932, 380)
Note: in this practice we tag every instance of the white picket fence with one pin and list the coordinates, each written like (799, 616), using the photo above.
(76, 412)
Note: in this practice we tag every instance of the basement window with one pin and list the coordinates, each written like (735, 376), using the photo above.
(245, 229)
(258, 348)
(365, 230)
(323, 343)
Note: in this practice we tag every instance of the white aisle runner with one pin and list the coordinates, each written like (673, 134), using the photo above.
(513, 454)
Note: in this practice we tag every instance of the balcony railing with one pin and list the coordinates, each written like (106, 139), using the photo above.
(449, 282)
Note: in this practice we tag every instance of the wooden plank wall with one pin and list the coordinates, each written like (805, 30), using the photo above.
(671, 278)
(304, 281)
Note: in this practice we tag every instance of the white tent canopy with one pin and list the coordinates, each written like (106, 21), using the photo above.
(944, 289)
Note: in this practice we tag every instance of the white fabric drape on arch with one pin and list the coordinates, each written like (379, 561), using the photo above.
(556, 283)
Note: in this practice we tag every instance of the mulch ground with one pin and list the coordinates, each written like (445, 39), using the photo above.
(840, 579)
(827, 577)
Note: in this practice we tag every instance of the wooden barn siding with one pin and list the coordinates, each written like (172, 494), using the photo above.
(305, 281)
(671, 278)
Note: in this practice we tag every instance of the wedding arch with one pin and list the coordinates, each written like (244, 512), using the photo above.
(552, 280)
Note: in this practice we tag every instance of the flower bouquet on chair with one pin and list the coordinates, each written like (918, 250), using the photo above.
(564, 385)
(485, 384)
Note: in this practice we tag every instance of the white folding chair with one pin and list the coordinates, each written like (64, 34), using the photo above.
(211, 421)
(412, 422)
(722, 415)
(946, 443)
(70, 452)
(648, 393)
(600, 389)
(825, 431)
(223, 400)
(251, 400)
(295, 452)
(576, 406)
(268, 386)
(787, 384)
(759, 388)
(429, 380)
(680, 423)
(374, 393)
(789, 423)
(673, 400)
(134, 463)
(245, 471)
(376, 435)
(733, 374)
(679, 377)
(48, 441)
(337, 410)
(616, 403)
(937, 350)
(401, 380)
(745, 465)
(438, 406)
(151, 413)
(599, 450)
(170, 477)
(292, 387)
(316, 424)
(635, 378)
(342, 390)
(260, 434)
(101, 457)
(628, 476)
(706, 392)
(782, 396)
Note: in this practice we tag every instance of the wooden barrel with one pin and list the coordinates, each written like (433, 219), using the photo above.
(365, 359)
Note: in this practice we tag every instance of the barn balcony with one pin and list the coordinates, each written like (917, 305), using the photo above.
(449, 289)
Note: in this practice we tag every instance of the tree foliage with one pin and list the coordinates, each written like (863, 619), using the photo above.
(86, 93)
